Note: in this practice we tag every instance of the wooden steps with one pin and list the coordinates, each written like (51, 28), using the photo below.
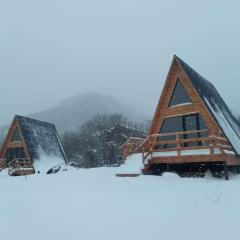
(20, 167)
(132, 145)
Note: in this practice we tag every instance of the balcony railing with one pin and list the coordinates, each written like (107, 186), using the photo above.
(178, 143)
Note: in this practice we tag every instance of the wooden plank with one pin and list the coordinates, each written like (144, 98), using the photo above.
(230, 160)
(127, 175)
(187, 140)
(185, 148)
(177, 133)
(188, 159)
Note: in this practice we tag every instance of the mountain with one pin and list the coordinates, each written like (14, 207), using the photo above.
(73, 112)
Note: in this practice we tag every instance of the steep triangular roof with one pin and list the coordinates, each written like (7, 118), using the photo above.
(216, 105)
(41, 138)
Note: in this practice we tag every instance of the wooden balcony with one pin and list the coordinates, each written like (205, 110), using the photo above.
(20, 166)
(184, 149)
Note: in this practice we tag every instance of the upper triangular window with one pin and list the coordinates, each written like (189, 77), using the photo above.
(16, 136)
(180, 95)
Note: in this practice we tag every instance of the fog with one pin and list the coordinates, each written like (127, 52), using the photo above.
(52, 50)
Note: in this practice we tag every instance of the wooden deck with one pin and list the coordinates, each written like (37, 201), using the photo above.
(230, 161)
(210, 149)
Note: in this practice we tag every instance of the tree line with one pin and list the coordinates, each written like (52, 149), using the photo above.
(97, 142)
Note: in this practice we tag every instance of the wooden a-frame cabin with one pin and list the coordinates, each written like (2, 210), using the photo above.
(27, 141)
(192, 129)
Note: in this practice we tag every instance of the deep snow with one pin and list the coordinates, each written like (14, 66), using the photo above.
(94, 204)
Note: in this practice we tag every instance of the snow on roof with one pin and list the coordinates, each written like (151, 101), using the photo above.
(216, 105)
(41, 139)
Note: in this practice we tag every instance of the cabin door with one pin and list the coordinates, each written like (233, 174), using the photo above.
(191, 123)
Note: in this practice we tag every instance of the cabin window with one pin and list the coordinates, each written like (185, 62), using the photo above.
(170, 125)
(191, 123)
(182, 124)
(180, 95)
(16, 136)
(13, 153)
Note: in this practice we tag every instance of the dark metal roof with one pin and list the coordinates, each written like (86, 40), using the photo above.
(40, 138)
(216, 105)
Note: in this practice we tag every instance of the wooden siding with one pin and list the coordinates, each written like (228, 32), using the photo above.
(7, 144)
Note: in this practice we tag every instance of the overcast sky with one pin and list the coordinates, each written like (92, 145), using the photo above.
(54, 49)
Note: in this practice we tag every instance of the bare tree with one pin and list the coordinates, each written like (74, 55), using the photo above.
(97, 142)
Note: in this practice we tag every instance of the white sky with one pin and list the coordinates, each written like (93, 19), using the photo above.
(53, 49)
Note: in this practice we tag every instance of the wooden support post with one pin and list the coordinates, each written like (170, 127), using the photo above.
(168, 167)
(226, 171)
(211, 149)
(145, 170)
(178, 145)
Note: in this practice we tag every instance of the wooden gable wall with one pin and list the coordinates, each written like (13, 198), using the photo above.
(9, 144)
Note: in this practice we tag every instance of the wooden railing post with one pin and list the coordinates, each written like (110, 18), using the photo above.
(212, 145)
(178, 144)
(151, 144)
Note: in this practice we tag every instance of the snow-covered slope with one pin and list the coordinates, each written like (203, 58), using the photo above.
(94, 204)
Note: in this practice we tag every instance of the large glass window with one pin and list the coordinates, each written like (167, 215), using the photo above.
(180, 95)
(13, 153)
(16, 136)
(182, 124)
(170, 125)
(191, 123)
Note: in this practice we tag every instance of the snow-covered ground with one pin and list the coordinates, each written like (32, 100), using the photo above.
(133, 165)
(94, 204)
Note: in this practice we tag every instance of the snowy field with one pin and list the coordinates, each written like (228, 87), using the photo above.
(94, 204)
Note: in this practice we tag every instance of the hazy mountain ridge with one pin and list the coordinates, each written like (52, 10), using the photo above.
(75, 111)
(3, 133)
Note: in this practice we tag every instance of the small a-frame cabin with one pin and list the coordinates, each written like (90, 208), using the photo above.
(29, 141)
(193, 129)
